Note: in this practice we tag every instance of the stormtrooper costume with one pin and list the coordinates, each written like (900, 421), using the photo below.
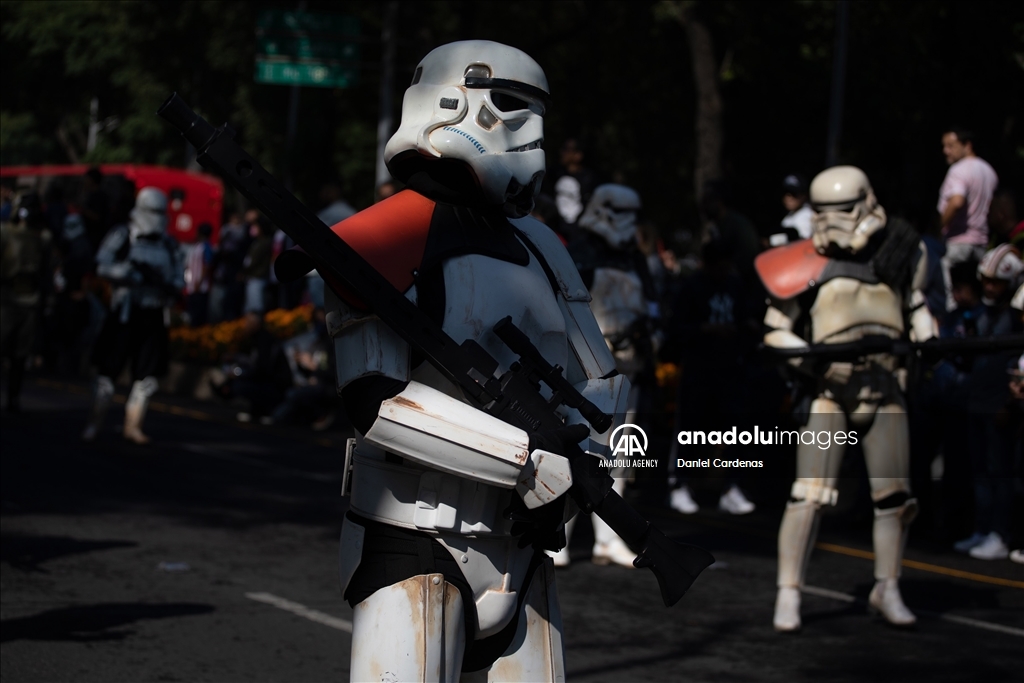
(438, 582)
(143, 265)
(615, 272)
(860, 275)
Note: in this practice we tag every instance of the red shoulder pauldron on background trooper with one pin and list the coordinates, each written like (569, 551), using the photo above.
(795, 268)
(790, 270)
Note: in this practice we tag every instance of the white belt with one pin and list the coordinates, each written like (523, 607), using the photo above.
(427, 500)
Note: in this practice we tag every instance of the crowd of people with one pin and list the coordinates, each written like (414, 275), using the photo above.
(92, 284)
(965, 409)
(88, 284)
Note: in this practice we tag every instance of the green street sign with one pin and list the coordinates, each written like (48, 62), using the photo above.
(285, 21)
(307, 48)
(317, 74)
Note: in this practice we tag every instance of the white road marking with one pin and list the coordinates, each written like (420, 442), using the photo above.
(952, 618)
(302, 611)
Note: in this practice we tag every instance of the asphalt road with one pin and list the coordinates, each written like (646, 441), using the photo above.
(211, 555)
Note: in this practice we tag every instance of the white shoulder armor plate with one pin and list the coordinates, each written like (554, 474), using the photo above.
(363, 344)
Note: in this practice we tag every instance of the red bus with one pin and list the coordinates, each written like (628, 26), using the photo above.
(193, 198)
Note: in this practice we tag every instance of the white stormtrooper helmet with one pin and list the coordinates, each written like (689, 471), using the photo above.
(611, 213)
(149, 217)
(846, 213)
(473, 105)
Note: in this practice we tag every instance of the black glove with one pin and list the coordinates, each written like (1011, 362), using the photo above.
(560, 439)
(544, 527)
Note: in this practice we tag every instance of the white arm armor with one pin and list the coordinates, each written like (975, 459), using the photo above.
(363, 344)
(107, 264)
(922, 325)
(780, 317)
(443, 433)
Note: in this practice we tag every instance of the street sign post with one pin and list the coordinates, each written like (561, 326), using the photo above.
(307, 48)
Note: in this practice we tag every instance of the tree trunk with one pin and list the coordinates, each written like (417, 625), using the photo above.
(708, 165)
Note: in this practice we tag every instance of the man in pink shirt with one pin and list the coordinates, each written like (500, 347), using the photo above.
(964, 199)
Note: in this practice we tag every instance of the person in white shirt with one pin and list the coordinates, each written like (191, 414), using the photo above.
(794, 198)
(964, 199)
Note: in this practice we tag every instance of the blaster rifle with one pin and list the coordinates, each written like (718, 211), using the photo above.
(513, 397)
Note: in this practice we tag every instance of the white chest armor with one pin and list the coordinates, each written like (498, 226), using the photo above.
(853, 309)
(480, 291)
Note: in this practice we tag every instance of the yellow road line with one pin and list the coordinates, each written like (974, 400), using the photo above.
(867, 555)
(843, 550)
(923, 566)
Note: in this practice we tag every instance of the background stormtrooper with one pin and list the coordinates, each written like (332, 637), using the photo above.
(441, 581)
(860, 275)
(625, 306)
(142, 264)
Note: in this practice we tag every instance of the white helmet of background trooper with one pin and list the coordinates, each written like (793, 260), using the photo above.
(149, 217)
(611, 213)
(480, 103)
(1001, 263)
(846, 212)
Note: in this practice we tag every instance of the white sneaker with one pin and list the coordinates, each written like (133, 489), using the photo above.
(734, 502)
(787, 610)
(614, 552)
(992, 548)
(885, 597)
(682, 501)
(1017, 556)
(971, 541)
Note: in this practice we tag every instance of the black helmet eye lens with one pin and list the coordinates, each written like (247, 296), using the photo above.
(506, 102)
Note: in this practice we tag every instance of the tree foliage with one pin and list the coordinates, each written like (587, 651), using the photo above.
(620, 74)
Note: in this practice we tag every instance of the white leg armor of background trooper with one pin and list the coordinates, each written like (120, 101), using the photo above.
(140, 261)
(852, 300)
(135, 408)
(438, 582)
